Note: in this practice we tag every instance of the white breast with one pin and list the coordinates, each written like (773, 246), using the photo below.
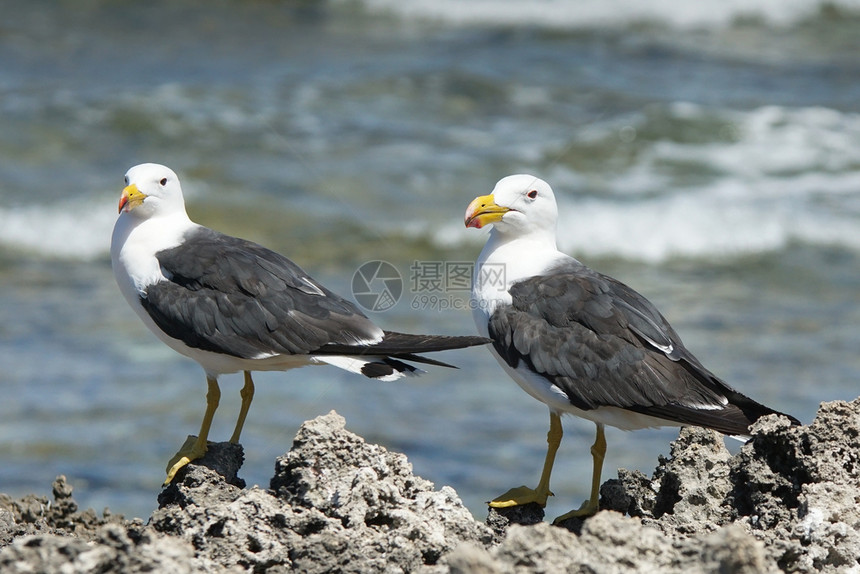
(133, 247)
(500, 265)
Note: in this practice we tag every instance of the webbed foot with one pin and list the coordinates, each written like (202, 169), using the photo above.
(588, 508)
(519, 496)
(192, 449)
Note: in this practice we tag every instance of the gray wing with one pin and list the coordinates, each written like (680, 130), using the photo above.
(232, 296)
(604, 344)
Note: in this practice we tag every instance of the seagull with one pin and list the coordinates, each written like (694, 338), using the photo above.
(581, 342)
(233, 305)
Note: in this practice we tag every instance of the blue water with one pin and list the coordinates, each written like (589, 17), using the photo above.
(708, 155)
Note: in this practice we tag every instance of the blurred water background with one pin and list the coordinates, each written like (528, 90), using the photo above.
(707, 153)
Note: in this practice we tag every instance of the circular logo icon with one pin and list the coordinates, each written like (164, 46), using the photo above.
(377, 285)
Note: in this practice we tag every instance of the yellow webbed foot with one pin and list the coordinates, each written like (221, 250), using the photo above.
(192, 449)
(519, 496)
(588, 508)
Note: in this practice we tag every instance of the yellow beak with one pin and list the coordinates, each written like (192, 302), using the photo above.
(131, 197)
(484, 211)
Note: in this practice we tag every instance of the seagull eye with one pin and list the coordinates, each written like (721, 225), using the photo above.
(532, 194)
(126, 180)
(163, 181)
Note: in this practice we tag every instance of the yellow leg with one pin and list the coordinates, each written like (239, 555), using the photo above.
(195, 448)
(247, 394)
(591, 506)
(523, 494)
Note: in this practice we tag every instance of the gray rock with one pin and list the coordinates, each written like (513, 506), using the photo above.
(731, 550)
(111, 550)
(794, 489)
(34, 514)
(687, 490)
(336, 503)
(612, 543)
(499, 519)
(786, 502)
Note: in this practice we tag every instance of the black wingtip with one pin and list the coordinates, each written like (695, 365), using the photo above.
(395, 347)
(409, 343)
(420, 359)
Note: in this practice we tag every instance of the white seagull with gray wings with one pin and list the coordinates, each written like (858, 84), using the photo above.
(233, 305)
(581, 342)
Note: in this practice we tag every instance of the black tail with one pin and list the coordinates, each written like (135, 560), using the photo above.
(734, 419)
(752, 410)
(406, 346)
(404, 343)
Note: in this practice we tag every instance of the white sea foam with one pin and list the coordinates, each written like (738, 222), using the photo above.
(583, 14)
(791, 175)
(785, 175)
(774, 140)
(79, 230)
(705, 222)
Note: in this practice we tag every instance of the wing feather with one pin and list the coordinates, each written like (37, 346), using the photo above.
(604, 344)
(233, 296)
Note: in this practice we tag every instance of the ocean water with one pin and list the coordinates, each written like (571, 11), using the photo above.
(707, 154)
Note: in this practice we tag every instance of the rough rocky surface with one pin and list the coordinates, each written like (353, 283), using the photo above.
(788, 501)
(335, 503)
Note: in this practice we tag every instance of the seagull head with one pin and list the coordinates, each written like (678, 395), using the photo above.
(520, 205)
(151, 189)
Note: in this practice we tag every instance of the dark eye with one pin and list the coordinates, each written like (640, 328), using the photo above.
(126, 180)
(532, 194)
(163, 181)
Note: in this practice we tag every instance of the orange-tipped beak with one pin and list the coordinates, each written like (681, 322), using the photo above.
(131, 197)
(484, 211)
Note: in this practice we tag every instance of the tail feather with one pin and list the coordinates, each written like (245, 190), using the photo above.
(425, 360)
(379, 368)
(384, 360)
(395, 343)
(401, 345)
(734, 419)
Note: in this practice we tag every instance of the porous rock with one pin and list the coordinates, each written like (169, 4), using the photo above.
(786, 502)
(611, 543)
(33, 514)
(335, 503)
(793, 489)
(39, 535)
(499, 519)
(686, 492)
